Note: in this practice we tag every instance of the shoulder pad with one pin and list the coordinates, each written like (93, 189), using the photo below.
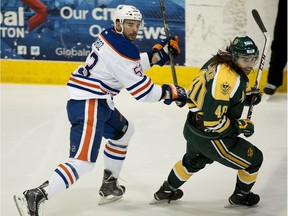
(121, 45)
(225, 83)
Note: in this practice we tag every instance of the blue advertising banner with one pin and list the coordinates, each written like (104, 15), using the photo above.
(63, 30)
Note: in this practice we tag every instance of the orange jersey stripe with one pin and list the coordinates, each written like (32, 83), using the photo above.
(84, 152)
(140, 89)
(115, 151)
(67, 172)
(87, 84)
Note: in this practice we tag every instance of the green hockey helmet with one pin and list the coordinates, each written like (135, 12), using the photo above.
(243, 46)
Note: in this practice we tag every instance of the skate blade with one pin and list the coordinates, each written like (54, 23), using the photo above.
(21, 204)
(239, 206)
(229, 205)
(155, 202)
(109, 199)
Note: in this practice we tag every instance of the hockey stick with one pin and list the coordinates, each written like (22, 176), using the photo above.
(166, 29)
(259, 22)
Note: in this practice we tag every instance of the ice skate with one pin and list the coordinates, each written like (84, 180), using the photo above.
(32, 201)
(240, 199)
(166, 194)
(110, 190)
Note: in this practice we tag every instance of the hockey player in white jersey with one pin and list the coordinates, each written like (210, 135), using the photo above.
(114, 63)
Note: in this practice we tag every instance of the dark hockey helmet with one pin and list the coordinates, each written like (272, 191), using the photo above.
(243, 46)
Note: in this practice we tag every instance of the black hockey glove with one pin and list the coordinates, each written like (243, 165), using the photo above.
(246, 127)
(161, 50)
(253, 94)
(175, 93)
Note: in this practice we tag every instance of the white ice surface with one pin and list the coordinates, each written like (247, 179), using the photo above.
(35, 139)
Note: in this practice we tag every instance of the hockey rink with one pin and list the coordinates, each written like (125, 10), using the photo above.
(35, 139)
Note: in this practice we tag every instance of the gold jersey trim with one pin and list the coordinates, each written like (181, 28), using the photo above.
(225, 83)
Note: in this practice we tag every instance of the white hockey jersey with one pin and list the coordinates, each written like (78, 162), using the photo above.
(114, 63)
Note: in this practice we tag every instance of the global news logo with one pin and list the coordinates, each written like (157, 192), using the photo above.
(34, 50)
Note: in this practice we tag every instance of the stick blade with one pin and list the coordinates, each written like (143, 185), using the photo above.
(258, 20)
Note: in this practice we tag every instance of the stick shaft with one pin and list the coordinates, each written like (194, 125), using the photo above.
(260, 23)
(166, 29)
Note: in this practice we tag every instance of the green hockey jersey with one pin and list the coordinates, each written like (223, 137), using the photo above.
(216, 100)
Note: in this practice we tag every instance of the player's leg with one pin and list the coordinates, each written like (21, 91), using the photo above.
(241, 155)
(85, 138)
(87, 118)
(62, 178)
(179, 174)
(118, 130)
(192, 162)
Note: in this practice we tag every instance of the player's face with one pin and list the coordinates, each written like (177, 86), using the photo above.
(246, 63)
(130, 29)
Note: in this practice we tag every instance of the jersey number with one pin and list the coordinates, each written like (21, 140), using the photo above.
(90, 64)
(198, 91)
(220, 111)
(138, 70)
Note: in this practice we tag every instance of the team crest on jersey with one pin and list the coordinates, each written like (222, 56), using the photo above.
(250, 152)
(225, 88)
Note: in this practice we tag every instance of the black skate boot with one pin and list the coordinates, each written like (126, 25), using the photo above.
(166, 193)
(110, 190)
(32, 201)
(240, 198)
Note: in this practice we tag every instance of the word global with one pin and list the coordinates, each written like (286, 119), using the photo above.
(71, 52)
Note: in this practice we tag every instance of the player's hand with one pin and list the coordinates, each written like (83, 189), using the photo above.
(254, 95)
(246, 127)
(161, 50)
(174, 93)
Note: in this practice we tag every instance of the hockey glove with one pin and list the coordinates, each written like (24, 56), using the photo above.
(246, 127)
(174, 93)
(253, 94)
(161, 50)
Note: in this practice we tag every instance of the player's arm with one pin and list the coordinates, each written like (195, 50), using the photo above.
(143, 89)
(222, 117)
(214, 115)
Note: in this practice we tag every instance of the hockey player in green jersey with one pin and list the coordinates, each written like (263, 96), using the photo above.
(216, 99)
